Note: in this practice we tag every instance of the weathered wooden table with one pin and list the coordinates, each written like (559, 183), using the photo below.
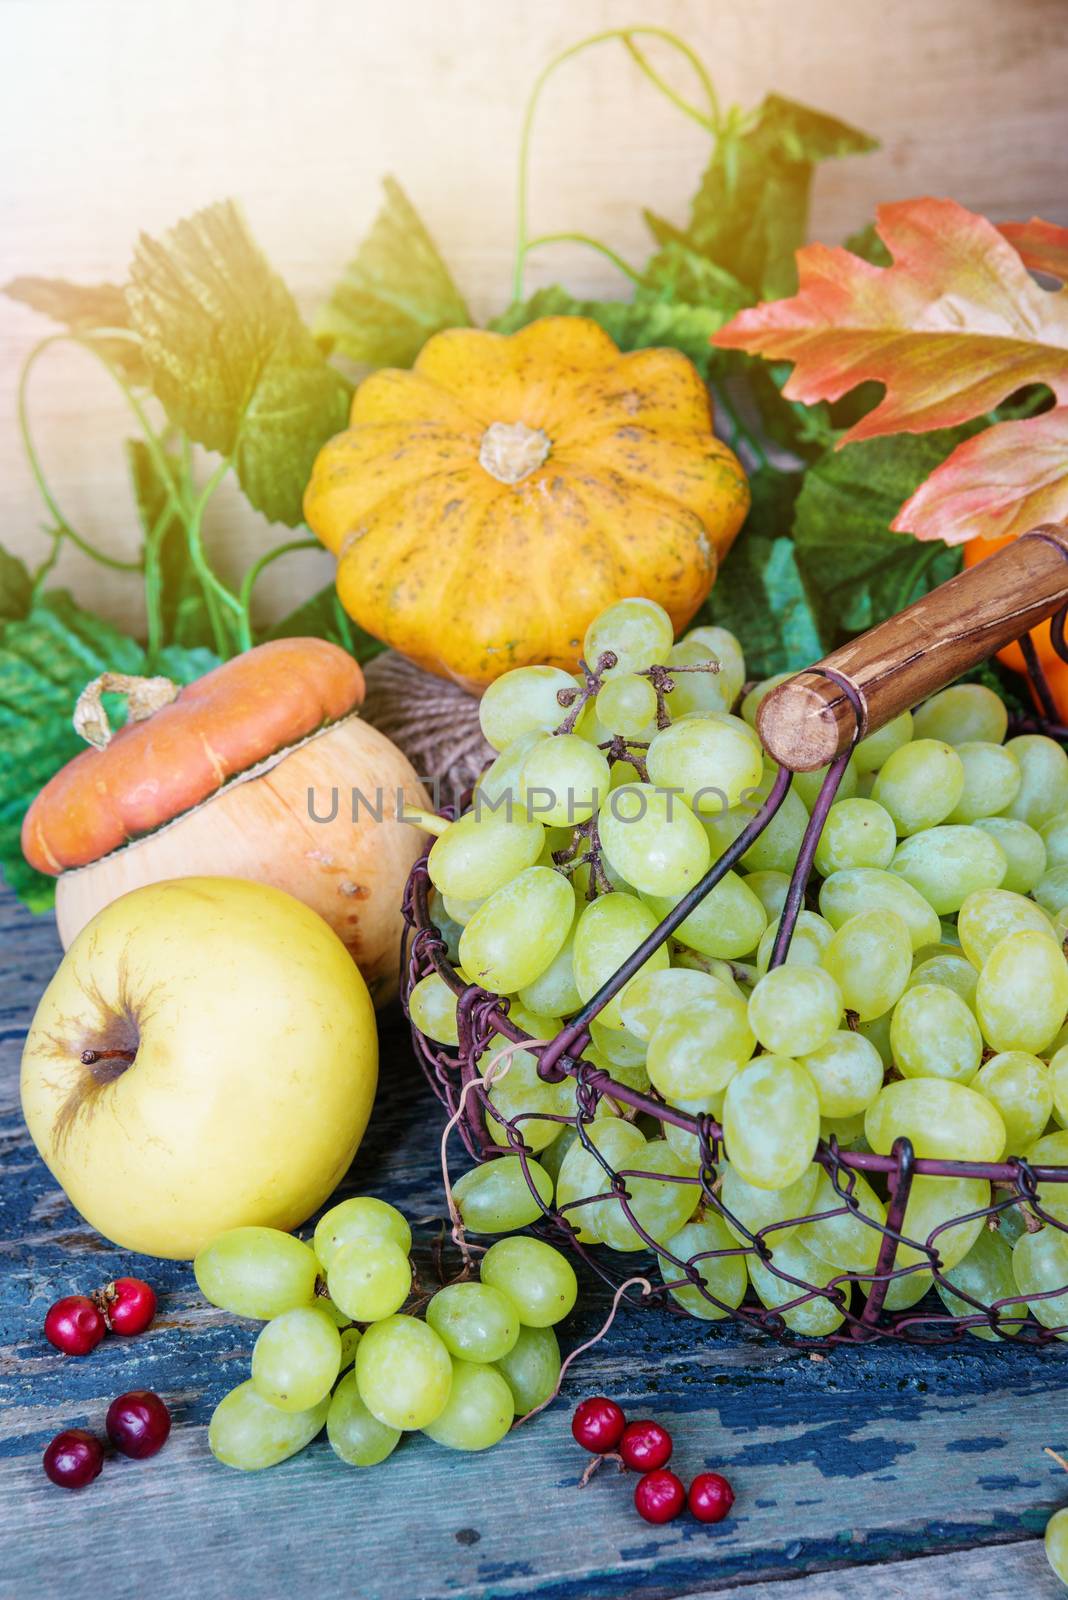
(882, 1471)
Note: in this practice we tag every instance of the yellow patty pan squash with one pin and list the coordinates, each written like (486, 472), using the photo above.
(487, 504)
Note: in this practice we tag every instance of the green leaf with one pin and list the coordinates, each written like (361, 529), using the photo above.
(395, 292)
(751, 211)
(230, 358)
(16, 587)
(46, 659)
(323, 617)
(761, 596)
(83, 308)
(861, 572)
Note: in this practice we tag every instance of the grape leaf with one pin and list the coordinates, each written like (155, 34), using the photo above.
(16, 587)
(751, 211)
(394, 294)
(1006, 481)
(322, 616)
(760, 595)
(952, 328)
(860, 571)
(230, 358)
(1043, 246)
(47, 656)
(83, 308)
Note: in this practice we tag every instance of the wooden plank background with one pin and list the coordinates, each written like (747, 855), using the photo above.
(118, 116)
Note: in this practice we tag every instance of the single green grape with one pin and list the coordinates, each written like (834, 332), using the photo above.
(248, 1432)
(945, 1121)
(1022, 995)
(474, 1320)
(654, 997)
(848, 1131)
(1054, 835)
(685, 1144)
(1058, 1077)
(522, 1093)
(870, 959)
(934, 1034)
(460, 911)
(920, 784)
(1051, 1151)
(531, 1369)
(608, 930)
(775, 850)
(719, 1264)
(653, 839)
(432, 1008)
(712, 761)
(523, 701)
(369, 1279)
(449, 930)
(859, 889)
(497, 792)
(727, 924)
(355, 1434)
(256, 1272)
(621, 1047)
(1056, 1543)
(1051, 890)
(811, 936)
(962, 714)
(698, 1048)
(794, 1010)
(553, 992)
(627, 705)
(877, 1030)
(986, 1274)
(947, 864)
(536, 1279)
(296, 1359)
(696, 693)
(582, 1176)
(496, 1197)
(749, 1209)
(777, 1284)
(771, 1121)
(350, 1343)
(1043, 791)
(857, 833)
(808, 784)
(870, 754)
(1021, 1086)
(404, 1372)
(564, 780)
(847, 1072)
(990, 915)
(479, 1411)
(770, 889)
(1040, 1265)
(951, 970)
(659, 1204)
(1024, 850)
(637, 631)
(842, 1239)
(479, 852)
(515, 934)
(360, 1217)
(934, 1202)
(992, 779)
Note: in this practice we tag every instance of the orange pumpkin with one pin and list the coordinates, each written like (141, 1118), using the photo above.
(487, 504)
(236, 776)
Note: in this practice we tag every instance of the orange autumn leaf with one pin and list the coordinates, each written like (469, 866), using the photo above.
(952, 328)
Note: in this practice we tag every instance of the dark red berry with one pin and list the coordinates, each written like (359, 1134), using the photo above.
(138, 1423)
(74, 1458)
(645, 1446)
(75, 1325)
(711, 1497)
(659, 1496)
(598, 1424)
(129, 1305)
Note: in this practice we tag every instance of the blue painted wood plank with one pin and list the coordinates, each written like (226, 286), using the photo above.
(872, 1456)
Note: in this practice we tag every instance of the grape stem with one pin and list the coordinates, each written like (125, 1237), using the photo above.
(578, 698)
(1055, 1457)
(663, 682)
(627, 1283)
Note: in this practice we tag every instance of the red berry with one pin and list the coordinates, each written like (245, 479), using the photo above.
(598, 1424)
(129, 1305)
(74, 1458)
(659, 1496)
(711, 1497)
(75, 1325)
(138, 1423)
(645, 1446)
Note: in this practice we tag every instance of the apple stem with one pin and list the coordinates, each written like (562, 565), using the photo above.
(91, 1057)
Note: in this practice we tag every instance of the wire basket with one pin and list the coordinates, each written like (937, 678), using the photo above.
(810, 722)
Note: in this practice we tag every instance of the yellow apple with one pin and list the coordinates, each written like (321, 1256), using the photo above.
(204, 1057)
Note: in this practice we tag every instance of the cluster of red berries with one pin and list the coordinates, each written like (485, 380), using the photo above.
(77, 1323)
(600, 1426)
(137, 1423)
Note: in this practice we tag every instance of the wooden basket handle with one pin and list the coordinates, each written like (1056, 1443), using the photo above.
(809, 720)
